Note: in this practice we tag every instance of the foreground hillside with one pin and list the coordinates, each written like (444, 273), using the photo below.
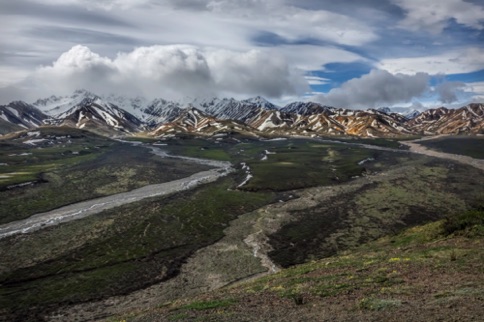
(432, 272)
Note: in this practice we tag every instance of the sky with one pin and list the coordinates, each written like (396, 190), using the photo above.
(347, 53)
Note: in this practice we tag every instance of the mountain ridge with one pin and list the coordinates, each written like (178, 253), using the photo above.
(117, 115)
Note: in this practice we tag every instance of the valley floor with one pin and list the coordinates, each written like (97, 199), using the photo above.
(415, 147)
(309, 202)
(243, 255)
(94, 206)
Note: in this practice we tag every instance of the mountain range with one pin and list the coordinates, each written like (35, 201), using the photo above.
(116, 115)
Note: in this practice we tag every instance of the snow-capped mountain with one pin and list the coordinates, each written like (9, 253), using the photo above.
(412, 114)
(261, 103)
(18, 116)
(192, 120)
(114, 115)
(231, 109)
(55, 105)
(306, 108)
(161, 111)
(98, 116)
(134, 106)
(150, 112)
(407, 112)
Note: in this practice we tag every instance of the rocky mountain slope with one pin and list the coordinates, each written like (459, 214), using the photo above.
(98, 116)
(18, 116)
(193, 120)
(113, 115)
(467, 119)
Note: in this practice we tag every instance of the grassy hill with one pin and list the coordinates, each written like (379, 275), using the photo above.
(432, 272)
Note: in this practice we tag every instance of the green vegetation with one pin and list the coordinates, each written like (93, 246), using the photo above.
(199, 148)
(61, 147)
(470, 222)
(290, 164)
(472, 146)
(380, 279)
(102, 167)
(124, 249)
(379, 266)
(428, 192)
(302, 164)
(206, 305)
(131, 247)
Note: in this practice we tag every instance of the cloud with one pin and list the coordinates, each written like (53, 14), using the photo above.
(168, 71)
(464, 60)
(80, 35)
(434, 16)
(475, 87)
(375, 89)
(447, 91)
(254, 72)
(277, 16)
(315, 80)
(60, 12)
(104, 4)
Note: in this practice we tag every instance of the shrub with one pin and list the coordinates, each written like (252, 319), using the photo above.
(470, 221)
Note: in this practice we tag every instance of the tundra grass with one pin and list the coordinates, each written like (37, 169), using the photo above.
(290, 164)
(465, 145)
(301, 164)
(378, 280)
(428, 192)
(121, 168)
(380, 265)
(138, 244)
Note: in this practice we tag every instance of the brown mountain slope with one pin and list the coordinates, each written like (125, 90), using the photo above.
(467, 119)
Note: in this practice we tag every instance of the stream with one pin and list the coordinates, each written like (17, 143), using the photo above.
(94, 206)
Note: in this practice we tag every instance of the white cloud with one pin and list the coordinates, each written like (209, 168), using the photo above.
(15, 75)
(447, 91)
(475, 90)
(375, 89)
(476, 87)
(168, 71)
(104, 4)
(255, 71)
(434, 16)
(315, 80)
(277, 16)
(295, 23)
(311, 57)
(464, 60)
